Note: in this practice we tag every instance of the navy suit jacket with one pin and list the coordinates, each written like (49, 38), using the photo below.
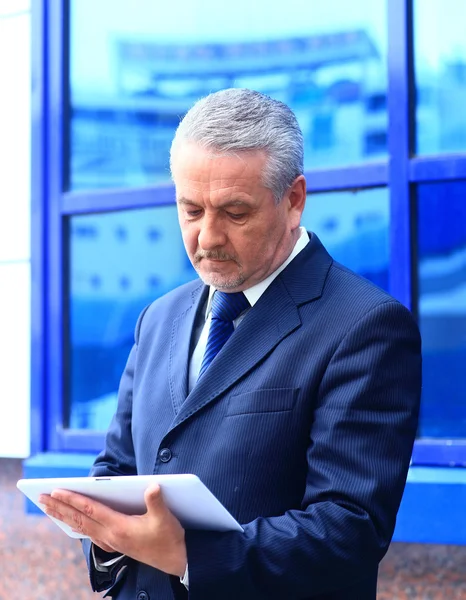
(302, 426)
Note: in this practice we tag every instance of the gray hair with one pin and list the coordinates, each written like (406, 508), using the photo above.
(235, 120)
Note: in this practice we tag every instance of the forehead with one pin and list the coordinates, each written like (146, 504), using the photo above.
(200, 167)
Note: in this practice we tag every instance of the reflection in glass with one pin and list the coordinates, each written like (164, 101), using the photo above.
(137, 67)
(354, 228)
(440, 64)
(120, 262)
(442, 307)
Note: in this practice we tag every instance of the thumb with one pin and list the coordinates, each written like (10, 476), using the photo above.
(153, 499)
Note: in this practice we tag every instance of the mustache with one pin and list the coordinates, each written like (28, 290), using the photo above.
(213, 255)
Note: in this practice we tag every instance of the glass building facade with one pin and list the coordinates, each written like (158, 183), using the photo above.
(131, 78)
(378, 90)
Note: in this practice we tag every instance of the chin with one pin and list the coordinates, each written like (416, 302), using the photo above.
(222, 282)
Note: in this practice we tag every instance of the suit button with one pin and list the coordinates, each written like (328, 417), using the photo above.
(165, 454)
(143, 596)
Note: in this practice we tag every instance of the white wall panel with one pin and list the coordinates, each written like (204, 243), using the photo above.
(15, 359)
(15, 320)
(12, 7)
(15, 99)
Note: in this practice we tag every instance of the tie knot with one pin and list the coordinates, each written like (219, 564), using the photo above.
(228, 307)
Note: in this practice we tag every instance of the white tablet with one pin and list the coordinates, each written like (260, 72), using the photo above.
(185, 495)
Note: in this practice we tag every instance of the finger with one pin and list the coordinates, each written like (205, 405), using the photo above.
(154, 500)
(54, 514)
(53, 507)
(56, 499)
(77, 522)
(84, 515)
(46, 500)
(89, 508)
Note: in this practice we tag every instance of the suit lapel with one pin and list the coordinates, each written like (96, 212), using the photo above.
(180, 346)
(275, 316)
(268, 322)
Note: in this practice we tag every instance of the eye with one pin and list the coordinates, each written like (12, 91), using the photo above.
(236, 216)
(193, 213)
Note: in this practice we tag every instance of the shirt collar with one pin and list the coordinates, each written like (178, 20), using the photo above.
(255, 292)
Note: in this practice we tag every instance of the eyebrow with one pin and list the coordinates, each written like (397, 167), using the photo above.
(185, 201)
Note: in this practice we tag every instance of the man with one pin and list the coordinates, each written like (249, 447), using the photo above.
(301, 423)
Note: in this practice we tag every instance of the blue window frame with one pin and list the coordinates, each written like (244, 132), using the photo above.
(53, 207)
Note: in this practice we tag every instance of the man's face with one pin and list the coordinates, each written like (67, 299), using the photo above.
(234, 233)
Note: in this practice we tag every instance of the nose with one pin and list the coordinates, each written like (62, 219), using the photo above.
(211, 233)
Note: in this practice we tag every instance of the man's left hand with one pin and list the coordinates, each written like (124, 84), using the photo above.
(155, 538)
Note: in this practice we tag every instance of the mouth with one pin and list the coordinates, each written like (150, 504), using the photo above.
(214, 259)
(219, 260)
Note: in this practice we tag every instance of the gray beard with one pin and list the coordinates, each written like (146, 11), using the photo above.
(221, 282)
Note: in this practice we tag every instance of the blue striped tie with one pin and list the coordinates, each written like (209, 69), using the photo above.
(225, 309)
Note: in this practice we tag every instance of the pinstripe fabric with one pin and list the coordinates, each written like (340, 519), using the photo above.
(225, 309)
(302, 426)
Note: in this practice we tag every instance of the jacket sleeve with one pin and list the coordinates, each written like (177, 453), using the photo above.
(117, 458)
(361, 440)
(103, 580)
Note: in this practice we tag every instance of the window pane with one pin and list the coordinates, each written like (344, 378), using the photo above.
(120, 262)
(354, 227)
(442, 307)
(137, 67)
(440, 63)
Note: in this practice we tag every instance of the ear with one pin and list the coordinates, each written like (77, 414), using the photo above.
(296, 197)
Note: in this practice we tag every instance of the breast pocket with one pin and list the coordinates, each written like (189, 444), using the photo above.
(262, 401)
